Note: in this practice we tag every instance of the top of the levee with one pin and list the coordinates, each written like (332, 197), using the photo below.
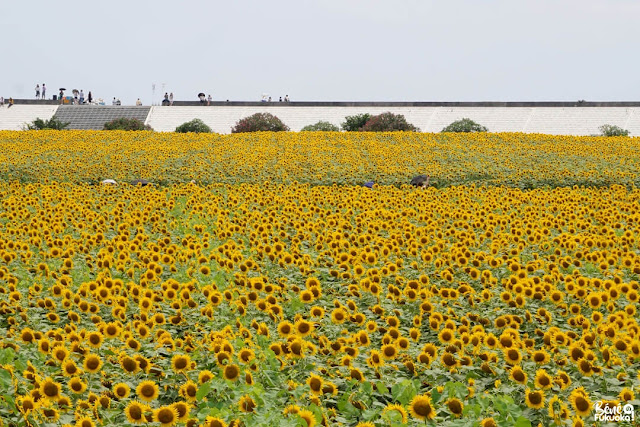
(381, 103)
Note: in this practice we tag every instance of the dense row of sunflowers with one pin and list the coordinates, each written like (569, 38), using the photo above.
(516, 160)
(298, 305)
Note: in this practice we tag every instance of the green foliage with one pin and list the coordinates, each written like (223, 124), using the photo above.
(321, 126)
(52, 123)
(465, 125)
(195, 125)
(388, 122)
(124, 123)
(613, 130)
(260, 122)
(355, 123)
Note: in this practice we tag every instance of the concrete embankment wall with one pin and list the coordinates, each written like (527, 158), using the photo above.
(556, 118)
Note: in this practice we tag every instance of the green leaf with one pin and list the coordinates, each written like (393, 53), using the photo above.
(403, 392)
(382, 389)
(5, 379)
(203, 390)
(522, 422)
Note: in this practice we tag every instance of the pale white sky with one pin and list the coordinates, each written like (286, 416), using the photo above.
(324, 50)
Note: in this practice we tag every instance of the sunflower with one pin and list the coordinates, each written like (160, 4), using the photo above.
(167, 416)
(231, 372)
(50, 389)
(455, 406)
(189, 390)
(134, 412)
(26, 404)
(543, 380)
(585, 367)
(92, 363)
(396, 409)
(512, 356)
(248, 378)
(562, 379)
(303, 328)
(180, 363)
(76, 385)
(147, 391)
(580, 402)
(246, 355)
(488, 422)
(50, 414)
(246, 404)
(205, 376)
(308, 417)
(315, 384)
(69, 368)
(389, 352)
(518, 375)
(375, 359)
(129, 364)
(317, 312)
(285, 328)
(422, 408)
(297, 348)
(541, 357)
(121, 390)
(183, 409)
(534, 399)
(85, 422)
(626, 394)
(214, 422)
(60, 353)
(338, 316)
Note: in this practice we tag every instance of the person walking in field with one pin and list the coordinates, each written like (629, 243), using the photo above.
(37, 91)
(171, 98)
(421, 181)
(44, 91)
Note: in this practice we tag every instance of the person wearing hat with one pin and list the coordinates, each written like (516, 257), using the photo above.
(421, 181)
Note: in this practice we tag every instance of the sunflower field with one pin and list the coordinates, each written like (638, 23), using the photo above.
(258, 283)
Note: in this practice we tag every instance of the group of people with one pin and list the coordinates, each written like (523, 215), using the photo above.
(168, 99)
(202, 98)
(78, 97)
(41, 92)
(266, 98)
(9, 104)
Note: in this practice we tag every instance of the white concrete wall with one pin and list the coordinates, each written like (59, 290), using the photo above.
(16, 117)
(549, 120)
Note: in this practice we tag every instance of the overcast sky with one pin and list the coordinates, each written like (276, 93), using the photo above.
(324, 50)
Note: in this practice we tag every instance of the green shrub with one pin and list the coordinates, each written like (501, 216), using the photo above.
(260, 122)
(195, 125)
(321, 126)
(465, 125)
(52, 123)
(613, 130)
(124, 123)
(355, 123)
(388, 122)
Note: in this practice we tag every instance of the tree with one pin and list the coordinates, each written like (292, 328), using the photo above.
(260, 122)
(613, 130)
(465, 125)
(321, 126)
(52, 123)
(124, 123)
(195, 125)
(355, 123)
(388, 122)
